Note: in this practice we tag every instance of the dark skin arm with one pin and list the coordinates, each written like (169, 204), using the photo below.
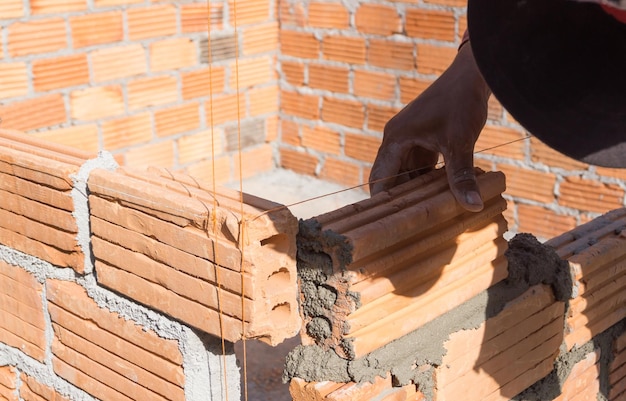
(446, 118)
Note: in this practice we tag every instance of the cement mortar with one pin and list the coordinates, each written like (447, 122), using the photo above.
(530, 263)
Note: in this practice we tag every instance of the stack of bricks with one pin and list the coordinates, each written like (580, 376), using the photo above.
(617, 375)
(117, 284)
(134, 78)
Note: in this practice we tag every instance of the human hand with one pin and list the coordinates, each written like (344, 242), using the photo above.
(446, 118)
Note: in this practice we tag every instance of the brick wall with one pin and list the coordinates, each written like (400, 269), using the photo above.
(133, 77)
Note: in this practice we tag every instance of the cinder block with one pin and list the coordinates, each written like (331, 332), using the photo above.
(173, 244)
(374, 271)
(596, 252)
(106, 355)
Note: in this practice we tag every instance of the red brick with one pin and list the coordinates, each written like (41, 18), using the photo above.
(299, 44)
(60, 72)
(350, 113)
(174, 53)
(430, 24)
(377, 85)
(328, 15)
(97, 102)
(260, 38)
(177, 119)
(83, 137)
(344, 48)
(12, 9)
(332, 78)
(203, 82)
(293, 71)
(26, 38)
(194, 17)
(433, 59)
(33, 390)
(251, 72)
(155, 154)
(36, 211)
(391, 53)
(86, 382)
(263, 100)
(410, 88)
(126, 131)
(8, 383)
(14, 80)
(589, 195)
(528, 184)
(200, 146)
(153, 91)
(542, 222)
(19, 115)
(42, 251)
(539, 152)
(362, 147)
(118, 62)
(35, 191)
(300, 105)
(321, 138)
(249, 11)
(151, 22)
(96, 28)
(377, 116)
(341, 171)
(377, 19)
(501, 141)
(302, 163)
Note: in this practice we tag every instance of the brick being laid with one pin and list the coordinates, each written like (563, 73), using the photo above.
(35, 198)
(596, 253)
(219, 262)
(374, 271)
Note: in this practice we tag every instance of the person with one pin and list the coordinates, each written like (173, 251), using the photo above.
(557, 66)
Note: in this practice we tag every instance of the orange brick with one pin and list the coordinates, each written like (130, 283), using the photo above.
(194, 17)
(223, 109)
(618, 173)
(434, 59)
(97, 102)
(299, 44)
(362, 147)
(200, 83)
(528, 184)
(271, 128)
(256, 160)
(8, 383)
(251, 72)
(126, 131)
(293, 71)
(501, 141)
(118, 62)
(152, 91)
(344, 48)
(410, 88)
(296, 104)
(542, 222)
(539, 152)
(378, 19)
(328, 15)
(350, 113)
(495, 111)
(583, 381)
(220, 47)
(36, 248)
(377, 116)
(321, 138)
(20, 116)
(377, 85)
(263, 100)
(221, 169)
(299, 162)
(249, 11)
(177, 119)
(391, 54)
(26, 38)
(462, 27)
(451, 3)
(332, 78)
(12, 9)
(35, 191)
(170, 54)
(151, 22)
(260, 38)
(60, 72)
(33, 390)
(430, 24)
(203, 145)
(290, 133)
(157, 154)
(53, 6)
(14, 80)
(590, 195)
(341, 171)
(96, 28)
(109, 3)
(83, 137)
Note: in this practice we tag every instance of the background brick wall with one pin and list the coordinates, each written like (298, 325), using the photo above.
(133, 77)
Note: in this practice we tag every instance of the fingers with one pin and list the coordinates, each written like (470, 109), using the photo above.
(462, 180)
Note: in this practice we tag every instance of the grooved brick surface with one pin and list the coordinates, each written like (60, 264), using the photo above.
(583, 382)
(385, 268)
(617, 370)
(8, 386)
(32, 390)
(162, 240)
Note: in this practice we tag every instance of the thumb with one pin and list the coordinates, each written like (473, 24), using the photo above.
(385, 169)
(462, 180)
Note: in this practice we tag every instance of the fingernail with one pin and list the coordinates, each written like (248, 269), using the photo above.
(473, 198)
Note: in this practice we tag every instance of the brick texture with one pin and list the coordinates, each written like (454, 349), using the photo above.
(8, 378)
